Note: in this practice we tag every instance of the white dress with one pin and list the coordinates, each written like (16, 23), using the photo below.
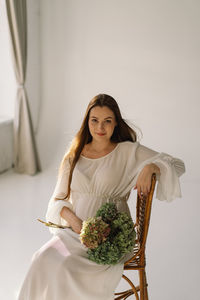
(60, 270)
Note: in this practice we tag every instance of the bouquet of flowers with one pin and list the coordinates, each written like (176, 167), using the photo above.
(109, 235)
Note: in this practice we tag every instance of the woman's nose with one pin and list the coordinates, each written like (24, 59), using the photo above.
(101, 125)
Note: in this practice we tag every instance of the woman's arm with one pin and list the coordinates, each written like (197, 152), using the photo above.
(74, 221)
(171, 168)
(60, 210)
(143, 183)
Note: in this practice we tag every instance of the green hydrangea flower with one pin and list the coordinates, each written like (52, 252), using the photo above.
(108, 212)
(120, 241)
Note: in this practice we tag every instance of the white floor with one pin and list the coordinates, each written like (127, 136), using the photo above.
(23, 199)
(172, 244)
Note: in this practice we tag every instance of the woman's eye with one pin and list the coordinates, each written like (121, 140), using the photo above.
(94, 120)
(108, 121)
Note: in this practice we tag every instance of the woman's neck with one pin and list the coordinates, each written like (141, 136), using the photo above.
(101, 146)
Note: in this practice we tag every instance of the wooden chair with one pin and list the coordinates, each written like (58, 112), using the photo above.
(138, 262)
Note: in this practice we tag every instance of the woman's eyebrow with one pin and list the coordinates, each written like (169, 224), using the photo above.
(104, 118)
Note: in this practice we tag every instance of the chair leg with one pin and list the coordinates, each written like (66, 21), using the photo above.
(142, 282)
(145, 287)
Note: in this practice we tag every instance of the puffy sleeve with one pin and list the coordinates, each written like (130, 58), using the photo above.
(57, 201)
(171, 168)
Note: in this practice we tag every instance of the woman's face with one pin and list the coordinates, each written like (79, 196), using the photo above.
(101, 123)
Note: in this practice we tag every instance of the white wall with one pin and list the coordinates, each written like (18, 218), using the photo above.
(146, 55)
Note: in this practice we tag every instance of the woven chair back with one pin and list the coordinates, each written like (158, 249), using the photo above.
(138, 261)
(143, 212)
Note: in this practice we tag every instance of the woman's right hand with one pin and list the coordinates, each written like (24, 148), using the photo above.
(143, 183)
(74, 221)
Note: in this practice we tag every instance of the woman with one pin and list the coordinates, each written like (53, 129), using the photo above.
(103, 164)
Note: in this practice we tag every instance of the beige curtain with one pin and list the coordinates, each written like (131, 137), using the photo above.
(25, 154)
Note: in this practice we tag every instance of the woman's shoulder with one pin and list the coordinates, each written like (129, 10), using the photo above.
(129, 145)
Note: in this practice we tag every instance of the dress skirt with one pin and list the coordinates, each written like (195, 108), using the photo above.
(60, 270)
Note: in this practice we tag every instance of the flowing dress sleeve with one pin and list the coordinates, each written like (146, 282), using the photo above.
(56, 203)
(171, 168)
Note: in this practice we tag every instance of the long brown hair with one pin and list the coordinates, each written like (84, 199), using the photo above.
(122, 132)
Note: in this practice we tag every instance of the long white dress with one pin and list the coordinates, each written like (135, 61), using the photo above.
(60, 270)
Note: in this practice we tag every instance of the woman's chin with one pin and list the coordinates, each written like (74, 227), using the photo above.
(100, 137)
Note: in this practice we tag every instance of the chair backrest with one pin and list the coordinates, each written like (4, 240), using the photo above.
(143, 213)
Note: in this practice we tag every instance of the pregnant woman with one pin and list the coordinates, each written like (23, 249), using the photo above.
(103, 164)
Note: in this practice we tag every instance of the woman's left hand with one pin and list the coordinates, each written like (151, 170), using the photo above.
(143, 183)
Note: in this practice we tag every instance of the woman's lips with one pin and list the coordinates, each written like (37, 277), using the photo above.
(100, 134)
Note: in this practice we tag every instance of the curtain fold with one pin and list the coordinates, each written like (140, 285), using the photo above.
(26, 159)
